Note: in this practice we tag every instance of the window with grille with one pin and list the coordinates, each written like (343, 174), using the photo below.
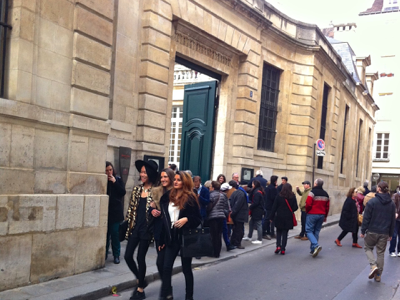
(346, 114)
(268, 108)
(324, 112)
(382, 146)
(4, 28)
(359, 145)
(176, 134)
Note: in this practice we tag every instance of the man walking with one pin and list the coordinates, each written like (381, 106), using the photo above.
(307, 188)
(377, 228)
(317, 208)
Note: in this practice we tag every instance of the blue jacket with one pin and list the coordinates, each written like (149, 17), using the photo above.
(204, 200)
(261, 179)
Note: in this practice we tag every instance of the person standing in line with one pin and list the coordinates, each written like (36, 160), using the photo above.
(360, 199)
(203, 196)
(140, 224)
(180, 210)
(377, 228)
(370, 195)
(349, 218)
(166, 178)
(366, 189)
(256, 212)
(239, 215)
(270, 194)
(115, 191)
(307, 188)
(317, 208)
(284, 206)
(396, 233)
(284, 181)
(259, 177)
(235, 177)
(217, 215)
(221, 179)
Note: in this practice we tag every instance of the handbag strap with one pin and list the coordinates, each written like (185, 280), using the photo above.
(289, 206)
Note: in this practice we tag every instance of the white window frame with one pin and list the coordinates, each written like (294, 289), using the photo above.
(385, 136)
(176, 124)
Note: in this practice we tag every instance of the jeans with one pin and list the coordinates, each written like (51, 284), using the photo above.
(133, 242)
(354, 234)
(281, 238)
(225, 233)
(313, 227)
(258, 223)
(268, 227)
(216, 226)
(395, 238)
(379, 241)
(167, 259)
(113, 235)
(237, 233)
(303, 224)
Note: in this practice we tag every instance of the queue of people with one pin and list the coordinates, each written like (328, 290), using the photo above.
(167, 203)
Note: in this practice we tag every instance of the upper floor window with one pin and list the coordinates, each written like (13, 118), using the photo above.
(382, 146)
(268, 108)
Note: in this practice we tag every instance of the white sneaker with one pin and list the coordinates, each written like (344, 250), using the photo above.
(246, 239)
(257, 242)
(398, 254)
(393, 254)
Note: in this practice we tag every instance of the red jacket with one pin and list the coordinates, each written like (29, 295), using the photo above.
(317, 202)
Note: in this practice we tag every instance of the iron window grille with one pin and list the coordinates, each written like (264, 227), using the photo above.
(268, 108)
(4, 26)
(324, 112)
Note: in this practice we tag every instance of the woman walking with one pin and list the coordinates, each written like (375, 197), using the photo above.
(256, 211)
(115, 191)
(140, 225)
(166, 179)
(349, 218)
(284, 206)
(217, 215)
(180, 210)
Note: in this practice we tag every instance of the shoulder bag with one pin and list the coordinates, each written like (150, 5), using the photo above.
(196, 242)
(294, 217)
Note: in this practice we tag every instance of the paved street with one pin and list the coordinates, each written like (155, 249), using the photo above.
(337, 273)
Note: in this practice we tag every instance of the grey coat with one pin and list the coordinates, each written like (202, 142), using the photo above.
(221, 208)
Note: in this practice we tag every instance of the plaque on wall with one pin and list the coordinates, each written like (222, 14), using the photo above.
(157, 159)
(246, 176)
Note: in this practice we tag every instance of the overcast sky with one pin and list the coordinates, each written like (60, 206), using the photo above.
(322, 12)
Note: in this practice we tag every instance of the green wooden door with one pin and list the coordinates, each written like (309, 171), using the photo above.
(198, 128)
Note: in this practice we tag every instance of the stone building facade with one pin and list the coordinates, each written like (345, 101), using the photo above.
(86, 77)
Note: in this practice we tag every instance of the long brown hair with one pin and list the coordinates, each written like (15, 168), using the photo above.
(350, 192)
(170, 173)
(286, 191)
(179, 198)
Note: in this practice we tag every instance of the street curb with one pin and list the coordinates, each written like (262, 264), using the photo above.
(106, 291)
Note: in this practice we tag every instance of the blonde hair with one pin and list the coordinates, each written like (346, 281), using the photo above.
(360, 190)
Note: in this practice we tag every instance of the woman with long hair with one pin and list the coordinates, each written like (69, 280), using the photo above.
(140, 225)
(166, 179)
(115, 191)
(180, 210)
(256, 211)
(284, 206)
(349, 218)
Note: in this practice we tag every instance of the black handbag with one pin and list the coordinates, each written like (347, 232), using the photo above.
(123, 227)
(197, 242)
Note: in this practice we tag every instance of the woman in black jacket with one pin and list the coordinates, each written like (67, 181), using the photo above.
(257, 211)
(140, 224)
(349, 218)
(180, 210)
(115, 191)
(284, 217)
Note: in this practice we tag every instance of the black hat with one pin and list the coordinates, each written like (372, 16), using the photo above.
(306, 182)
(151, 168)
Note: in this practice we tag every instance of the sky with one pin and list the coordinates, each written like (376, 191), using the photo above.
(322, 12)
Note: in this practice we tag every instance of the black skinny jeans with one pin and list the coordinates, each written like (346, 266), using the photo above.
(303, 224)
(281, 238)
(166, 259)
(354, 234)
(133, 242)
(216, 226)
